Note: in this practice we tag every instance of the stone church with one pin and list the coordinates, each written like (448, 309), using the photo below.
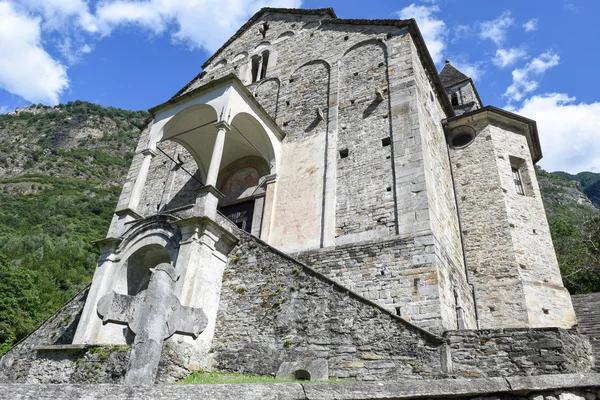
(323, 203)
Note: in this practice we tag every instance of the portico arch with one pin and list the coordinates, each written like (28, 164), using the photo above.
(194, 129)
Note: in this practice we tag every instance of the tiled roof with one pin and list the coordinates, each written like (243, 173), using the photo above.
(451, 76)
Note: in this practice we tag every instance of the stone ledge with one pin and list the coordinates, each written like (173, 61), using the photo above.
(447, 388)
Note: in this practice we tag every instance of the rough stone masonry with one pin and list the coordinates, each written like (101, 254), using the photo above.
(327, 198)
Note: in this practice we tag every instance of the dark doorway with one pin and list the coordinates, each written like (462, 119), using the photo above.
(240, 214)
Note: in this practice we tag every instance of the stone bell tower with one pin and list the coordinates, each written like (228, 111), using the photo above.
(151, 226)
(508, 247)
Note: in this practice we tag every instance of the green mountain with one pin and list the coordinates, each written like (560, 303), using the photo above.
(589, 182)
(61, 171)
(575, 226)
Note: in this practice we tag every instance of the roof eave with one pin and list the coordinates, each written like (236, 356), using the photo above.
(316, 11)
(532, 137)
(229, 78)
(426, 58)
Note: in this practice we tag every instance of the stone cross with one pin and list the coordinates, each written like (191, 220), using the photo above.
(153, 316)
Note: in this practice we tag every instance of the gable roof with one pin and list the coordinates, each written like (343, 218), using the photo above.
(317, 11)
(451, 76)
(331, 18)
(495, 113)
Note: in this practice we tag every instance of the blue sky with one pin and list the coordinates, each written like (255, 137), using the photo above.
(535, 57)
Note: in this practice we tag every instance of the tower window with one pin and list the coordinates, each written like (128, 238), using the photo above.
(454, 99)
(518, 181)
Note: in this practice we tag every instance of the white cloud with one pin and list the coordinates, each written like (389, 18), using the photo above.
(432, 29)
(198, 23)
(57, 14)
(568, 131)
(495, 30)
(26, 69)
(73, 52)
(505, 58)
(527, 79)
(4, 109)
(472, 70)
(530, 25)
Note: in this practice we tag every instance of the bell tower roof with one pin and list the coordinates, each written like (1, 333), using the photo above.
(450, 76)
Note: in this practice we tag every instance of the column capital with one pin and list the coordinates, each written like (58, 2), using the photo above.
(107, 244)
(268, 179)
(149, 152)
(223, 125)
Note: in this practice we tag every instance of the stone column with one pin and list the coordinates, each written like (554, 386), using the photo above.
(129, 213)
(208, 196)
(330, 192)
(217, 153)
(269, 207)
(200, 264)
(89, 323)
(140, 182)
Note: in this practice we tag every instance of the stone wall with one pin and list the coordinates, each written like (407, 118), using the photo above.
(365, 200)
(553, 387)
(514, 352)
(396, 274)
(587, 308)
(548, 302)
(274, 309)
(47, 356)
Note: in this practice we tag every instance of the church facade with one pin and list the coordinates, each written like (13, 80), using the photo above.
(323, 194)
(327, 138)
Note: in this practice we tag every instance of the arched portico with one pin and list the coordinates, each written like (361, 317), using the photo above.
(217, 124)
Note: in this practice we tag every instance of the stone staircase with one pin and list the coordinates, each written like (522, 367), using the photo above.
(587, 308)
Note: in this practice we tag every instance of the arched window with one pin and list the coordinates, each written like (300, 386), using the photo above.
(265, 64)
(259, 66)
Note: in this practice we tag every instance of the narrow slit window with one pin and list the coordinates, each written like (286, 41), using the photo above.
(255, 65)
(518, 181)
(265, 64)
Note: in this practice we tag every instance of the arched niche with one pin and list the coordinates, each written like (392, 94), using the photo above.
(364, 120)
(194, 129)
(240, 179)
(138, 266)
(146, 244)
(267, 94)
(306, 93)
(285, 35)
(220, 64)
(247, 138)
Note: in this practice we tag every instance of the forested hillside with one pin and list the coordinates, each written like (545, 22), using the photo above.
(60, 177)
(575, 227)
(61, 171)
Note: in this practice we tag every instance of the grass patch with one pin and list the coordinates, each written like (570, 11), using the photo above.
(217, 377)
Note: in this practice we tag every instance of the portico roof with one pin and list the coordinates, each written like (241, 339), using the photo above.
(190, 121)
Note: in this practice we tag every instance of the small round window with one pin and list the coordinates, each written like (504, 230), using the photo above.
(461, 137)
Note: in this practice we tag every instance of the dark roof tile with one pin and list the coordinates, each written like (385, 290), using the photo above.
(451, 76)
